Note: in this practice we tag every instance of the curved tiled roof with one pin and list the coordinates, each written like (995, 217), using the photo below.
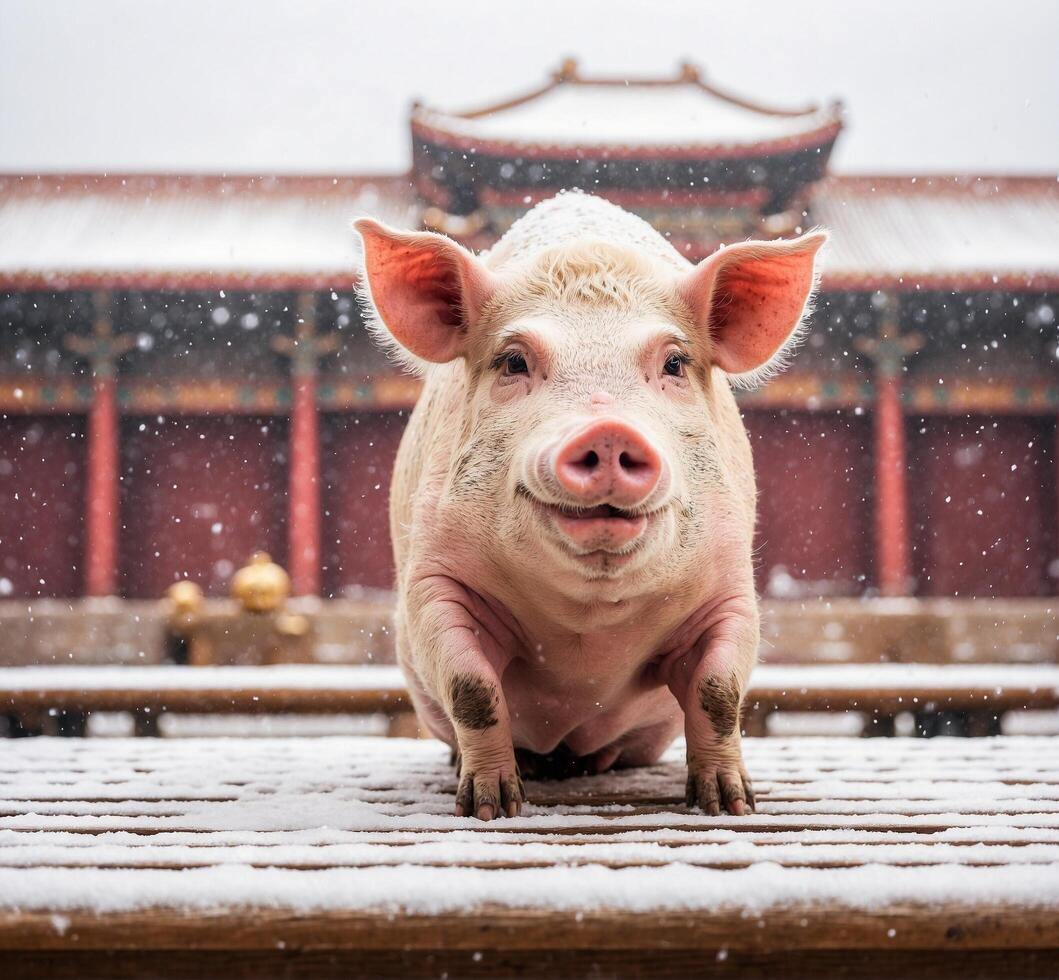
(940, 232)
(611, 135)
(682, 116)
(190, 232)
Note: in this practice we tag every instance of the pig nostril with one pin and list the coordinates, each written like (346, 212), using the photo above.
(627, 462)
(590, 460)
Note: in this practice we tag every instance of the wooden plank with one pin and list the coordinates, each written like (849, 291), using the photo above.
(589, 826)
(894, 700)
(191, 701)
(541, 857)
(813, 837)
(952, 926)
(163, 804)
(319, 963)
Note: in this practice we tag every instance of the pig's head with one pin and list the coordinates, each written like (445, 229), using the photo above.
(600, 440)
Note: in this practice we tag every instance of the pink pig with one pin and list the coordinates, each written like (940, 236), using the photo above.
(573, 505)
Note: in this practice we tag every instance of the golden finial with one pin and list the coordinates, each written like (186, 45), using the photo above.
(567, 71)
(689, 72)
(261, 585)
(185, 595)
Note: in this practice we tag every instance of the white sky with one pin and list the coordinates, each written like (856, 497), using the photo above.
(324, 85)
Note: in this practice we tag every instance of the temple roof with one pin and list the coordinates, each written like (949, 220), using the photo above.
(189, 232)
(279, 233)
(684, 114)
(945, 232)
(651, 137)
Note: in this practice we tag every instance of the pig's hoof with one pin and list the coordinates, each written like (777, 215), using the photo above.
(714, 790)
(490, 793)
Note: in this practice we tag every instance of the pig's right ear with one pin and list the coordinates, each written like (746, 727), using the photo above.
(752, 298)
(426, 291)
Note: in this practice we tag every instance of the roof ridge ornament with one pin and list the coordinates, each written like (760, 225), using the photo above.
(690, 72)
(567, 72)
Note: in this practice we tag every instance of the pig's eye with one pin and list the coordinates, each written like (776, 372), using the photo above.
(513, 363)
(675, 364)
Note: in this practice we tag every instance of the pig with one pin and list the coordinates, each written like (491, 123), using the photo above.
(573, 501)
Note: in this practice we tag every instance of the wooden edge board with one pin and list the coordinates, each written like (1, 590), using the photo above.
(896, 700)
(826, 926)
(389, 700)
(192, 701)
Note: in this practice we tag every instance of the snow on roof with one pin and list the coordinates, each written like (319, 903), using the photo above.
(599, 114)
(177, 231)
(684, 111)
(110, 825)
(977, 230)
(142, 232)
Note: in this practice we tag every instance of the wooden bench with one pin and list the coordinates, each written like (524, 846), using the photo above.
(880, 691)
(339, 856)
(964, 699)
(31, 693)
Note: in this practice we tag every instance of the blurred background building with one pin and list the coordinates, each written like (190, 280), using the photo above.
(185, 378)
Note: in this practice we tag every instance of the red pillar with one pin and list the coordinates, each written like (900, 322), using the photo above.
(891, 482)
(101, 511)
(303, 526)
(102, 350)
(304, 520)
(888, 350)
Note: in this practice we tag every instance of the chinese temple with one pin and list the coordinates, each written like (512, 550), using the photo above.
(185, 378)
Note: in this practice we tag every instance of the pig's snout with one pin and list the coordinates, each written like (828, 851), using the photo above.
(608, 461)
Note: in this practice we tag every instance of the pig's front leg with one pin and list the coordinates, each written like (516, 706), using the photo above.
(709, 682)
(462, 650)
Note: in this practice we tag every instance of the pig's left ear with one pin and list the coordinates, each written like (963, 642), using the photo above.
(751, 297)
(427, 291)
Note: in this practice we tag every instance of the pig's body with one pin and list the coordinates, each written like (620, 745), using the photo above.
(577, 671)
(573, 536)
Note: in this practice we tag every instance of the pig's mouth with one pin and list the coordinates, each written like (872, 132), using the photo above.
(592, 513)
(603, 527)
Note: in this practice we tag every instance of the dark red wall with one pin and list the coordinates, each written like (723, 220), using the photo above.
(199, 495)
(42, 493)
(983, 501)
(358, 451)
(814, 476)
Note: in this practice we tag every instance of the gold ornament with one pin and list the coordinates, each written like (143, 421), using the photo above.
(185, 595)
(261, 585)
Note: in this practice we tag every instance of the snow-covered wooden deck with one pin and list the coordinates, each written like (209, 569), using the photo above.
(300, 856)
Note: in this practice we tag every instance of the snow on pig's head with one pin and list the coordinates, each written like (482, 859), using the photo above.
(600, 437)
